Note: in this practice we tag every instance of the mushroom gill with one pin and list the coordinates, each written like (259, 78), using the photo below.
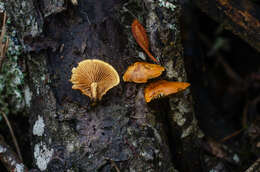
(94, 78)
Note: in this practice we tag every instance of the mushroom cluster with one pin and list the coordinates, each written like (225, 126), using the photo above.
(140, 72)
(95, 77)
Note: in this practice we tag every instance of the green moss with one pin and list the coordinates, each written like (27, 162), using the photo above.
(12, 78)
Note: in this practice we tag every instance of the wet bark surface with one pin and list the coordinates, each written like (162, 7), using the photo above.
(68, 132)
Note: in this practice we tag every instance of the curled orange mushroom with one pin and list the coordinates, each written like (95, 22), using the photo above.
(140, 72)
(94, 78)
(163, 88)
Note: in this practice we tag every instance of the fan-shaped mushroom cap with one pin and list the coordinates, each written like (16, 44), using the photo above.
(140, 72)
(94, 78)
(163, 88)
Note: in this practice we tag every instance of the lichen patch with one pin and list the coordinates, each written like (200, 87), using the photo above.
(170, 72)
(2, 149)
(187, 132)
(38, 128)
(42, 155)
(167, 4)
(179, 118)
(27, 96)
(19, 168)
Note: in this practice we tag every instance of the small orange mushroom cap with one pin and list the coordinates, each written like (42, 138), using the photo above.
(94, 78)
(163, 88)
(140, 72)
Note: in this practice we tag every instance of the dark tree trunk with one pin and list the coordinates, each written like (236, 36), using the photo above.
(122, 131)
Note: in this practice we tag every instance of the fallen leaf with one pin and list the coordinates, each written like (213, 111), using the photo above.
(140, 72)
(163, 88)
(140, 36)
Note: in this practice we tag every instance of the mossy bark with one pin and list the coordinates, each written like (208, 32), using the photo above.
(68, 132)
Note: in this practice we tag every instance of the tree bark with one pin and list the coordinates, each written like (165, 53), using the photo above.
(241, 17)
(122, 131)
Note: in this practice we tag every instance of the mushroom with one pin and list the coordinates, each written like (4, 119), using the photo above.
(140, 72)
(94, 78)
(163, 88)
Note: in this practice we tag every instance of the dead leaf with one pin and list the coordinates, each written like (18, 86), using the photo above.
(140, 36)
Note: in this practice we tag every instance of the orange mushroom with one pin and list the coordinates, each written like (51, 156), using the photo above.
(140, 72)
(94, 78)
(163, 88)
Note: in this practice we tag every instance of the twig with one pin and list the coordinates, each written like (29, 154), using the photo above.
(6, 45)
(228, 69)
(219, 150)
(245, 111)
(254, 167)
(9, 158)
(4, 50)
(114, 165)
(3, 28)
(3, 47)
(230, 72)
(13, 136)
(232, 135)
(244, 116)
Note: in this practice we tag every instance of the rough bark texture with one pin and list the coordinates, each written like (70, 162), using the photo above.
(242, 17)
(184, 130)
(68, 133)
